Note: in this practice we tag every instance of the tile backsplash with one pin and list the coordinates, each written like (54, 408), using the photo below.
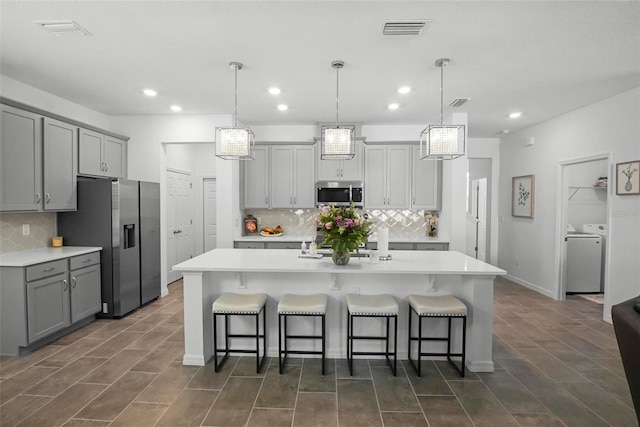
(402, 224)
(41, 226)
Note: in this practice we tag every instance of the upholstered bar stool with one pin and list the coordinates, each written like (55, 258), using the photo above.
(383, 306)
(447, 306)
(231, 304)
(300, 305)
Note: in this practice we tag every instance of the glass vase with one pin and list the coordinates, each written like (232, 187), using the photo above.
(340, 257)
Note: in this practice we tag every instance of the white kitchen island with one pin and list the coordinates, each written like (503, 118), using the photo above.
(276, 272)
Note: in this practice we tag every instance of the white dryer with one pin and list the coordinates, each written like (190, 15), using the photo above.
(584, 262)
(603, 231)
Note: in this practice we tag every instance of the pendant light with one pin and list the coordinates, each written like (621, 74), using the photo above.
(337, 142)
(444, 142)
(235, 143)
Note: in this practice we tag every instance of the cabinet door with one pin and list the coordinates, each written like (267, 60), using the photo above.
(115, 157)
(85, 292)
(90, 153)
(256, 180)
(281, 177)
(328, 170)
(375, 177)
(304, 173)
(398, 177)
(60, 165)
(20, 160)
(351, 170)
(425, 183)
(47, 306)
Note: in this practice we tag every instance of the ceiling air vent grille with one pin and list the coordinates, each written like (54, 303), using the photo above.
(459, 102)
(404, 28)
(63, 28)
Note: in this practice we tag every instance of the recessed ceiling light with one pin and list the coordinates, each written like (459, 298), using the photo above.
(274, 90)
(149, 92)
(282, 107)
(505, 131)
(515, 114)
(176, 108)
(404, 89)
(393, 106)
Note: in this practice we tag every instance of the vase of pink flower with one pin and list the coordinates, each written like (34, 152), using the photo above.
(344, 229)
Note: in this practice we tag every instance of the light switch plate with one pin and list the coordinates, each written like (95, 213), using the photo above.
(26, 229)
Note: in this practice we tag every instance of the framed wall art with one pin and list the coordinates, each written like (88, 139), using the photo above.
(628, 178)
(523, 196)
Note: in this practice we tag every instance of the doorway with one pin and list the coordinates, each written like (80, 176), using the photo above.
(179, 220)
(479, 182)
(584, 201)
(209, 215)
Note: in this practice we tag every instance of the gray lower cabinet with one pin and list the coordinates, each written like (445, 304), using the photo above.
(413, 246)
(85, 286)
(44, 299)
(48, 306)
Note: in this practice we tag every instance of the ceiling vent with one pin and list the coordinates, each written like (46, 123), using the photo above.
(404, 28)
(459, 102)
(63, 28)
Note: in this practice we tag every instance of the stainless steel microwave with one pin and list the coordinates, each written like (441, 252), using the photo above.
(340, 193)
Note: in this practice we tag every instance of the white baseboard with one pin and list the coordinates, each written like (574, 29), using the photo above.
(531, 286)
(164, 293)
(480, 366)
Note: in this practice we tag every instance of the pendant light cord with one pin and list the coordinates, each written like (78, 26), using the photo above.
(235, 113)
(442, 65)
(337, 94)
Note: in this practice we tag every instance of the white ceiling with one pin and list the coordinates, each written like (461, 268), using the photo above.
(541, 58)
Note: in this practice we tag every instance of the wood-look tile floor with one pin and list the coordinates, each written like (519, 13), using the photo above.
(557, 364)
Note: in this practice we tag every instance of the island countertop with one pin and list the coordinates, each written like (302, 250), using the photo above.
(276, 272)
(287, 261)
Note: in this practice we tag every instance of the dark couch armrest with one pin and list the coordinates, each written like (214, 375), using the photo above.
(626, 322)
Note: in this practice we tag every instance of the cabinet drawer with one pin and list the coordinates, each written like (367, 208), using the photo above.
(46, 269)
(284, 245)
(86, 260)
(249, 245)
(401, 246)
(432, 246)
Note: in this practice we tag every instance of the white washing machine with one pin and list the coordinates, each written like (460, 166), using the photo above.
(584, 262)
(603, 231)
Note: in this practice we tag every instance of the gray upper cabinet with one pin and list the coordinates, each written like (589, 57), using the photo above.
(256, 180)
(60, 165)
(342, 170)
(292, 176)
(102, 155)
(387, 178)
(20, 160)
(426, 188)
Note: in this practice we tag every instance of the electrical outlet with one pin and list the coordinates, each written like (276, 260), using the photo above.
(355, 291)
(259, 220)
(301, 222)
(26, 229)
(517, 260)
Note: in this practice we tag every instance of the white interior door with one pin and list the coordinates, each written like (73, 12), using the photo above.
(481, 216)
(209, 215)
(179, 222)
(477, 220)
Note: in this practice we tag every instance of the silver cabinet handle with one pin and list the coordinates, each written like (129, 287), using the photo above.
(106, 167)
(46, 270)
(266, 200)
(250, 247)
(73, 280)
(38, 198)
(66, 285)
(413, 201)
(86, 260)
(102, 166)
(47, 197)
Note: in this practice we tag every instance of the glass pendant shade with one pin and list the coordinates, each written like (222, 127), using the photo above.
(337, 142)
(444, 142)
(235, 143)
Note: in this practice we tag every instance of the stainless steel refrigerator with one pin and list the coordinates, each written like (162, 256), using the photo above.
(122, 217)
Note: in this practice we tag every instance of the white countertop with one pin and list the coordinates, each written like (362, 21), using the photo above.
(37, 256)
(287, 261)
(293, 238)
